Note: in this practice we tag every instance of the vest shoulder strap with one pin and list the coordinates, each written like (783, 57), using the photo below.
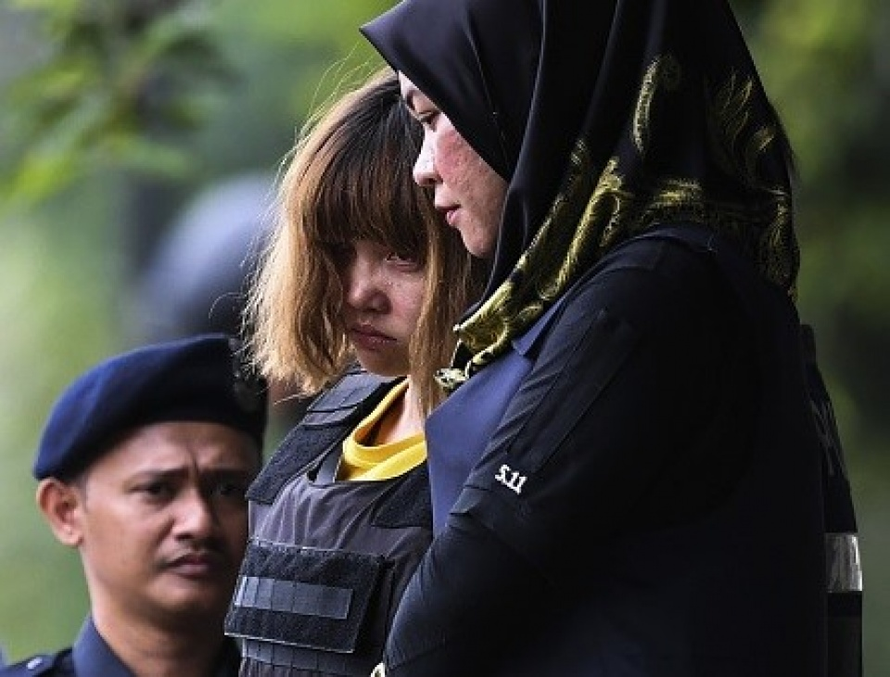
(328, 419)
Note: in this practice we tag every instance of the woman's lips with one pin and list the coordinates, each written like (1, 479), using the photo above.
(368, 339)
(449, 212)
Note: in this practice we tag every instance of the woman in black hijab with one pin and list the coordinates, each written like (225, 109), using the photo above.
(626, 474)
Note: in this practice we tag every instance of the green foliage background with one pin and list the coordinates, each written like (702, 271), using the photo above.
(114, 112)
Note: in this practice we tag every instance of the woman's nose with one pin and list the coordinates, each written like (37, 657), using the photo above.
(362, 289)
(424, 171)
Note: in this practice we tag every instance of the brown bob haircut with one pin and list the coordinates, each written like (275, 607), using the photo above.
(349, 177)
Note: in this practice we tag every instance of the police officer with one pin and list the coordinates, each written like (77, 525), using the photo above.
(142, 467)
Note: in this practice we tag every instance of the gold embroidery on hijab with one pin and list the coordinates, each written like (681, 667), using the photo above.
(593, 213)
(664, 72)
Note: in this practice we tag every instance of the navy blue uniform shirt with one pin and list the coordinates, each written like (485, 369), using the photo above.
(91, 656)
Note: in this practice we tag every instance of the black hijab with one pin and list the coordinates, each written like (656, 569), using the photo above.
(607, 118)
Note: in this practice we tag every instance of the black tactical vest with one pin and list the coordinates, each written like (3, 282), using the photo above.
(327, 561)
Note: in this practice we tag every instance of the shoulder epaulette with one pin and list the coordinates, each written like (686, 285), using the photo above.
(39, 664)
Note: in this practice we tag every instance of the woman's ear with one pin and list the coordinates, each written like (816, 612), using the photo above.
(60, 504)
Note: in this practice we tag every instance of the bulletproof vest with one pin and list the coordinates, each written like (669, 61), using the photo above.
(326, 561)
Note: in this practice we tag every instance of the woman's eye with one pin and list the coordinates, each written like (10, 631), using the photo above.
(427, 118)
(403, 261)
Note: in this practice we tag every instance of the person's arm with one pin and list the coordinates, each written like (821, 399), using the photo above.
(457, 631)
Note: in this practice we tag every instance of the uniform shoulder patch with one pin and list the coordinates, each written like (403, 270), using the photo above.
(40, 664)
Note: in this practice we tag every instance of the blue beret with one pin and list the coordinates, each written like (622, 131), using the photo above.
(200, 378)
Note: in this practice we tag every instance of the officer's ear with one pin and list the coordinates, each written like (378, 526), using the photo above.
(60, 504)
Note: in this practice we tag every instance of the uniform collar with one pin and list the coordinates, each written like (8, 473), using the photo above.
(93, 656)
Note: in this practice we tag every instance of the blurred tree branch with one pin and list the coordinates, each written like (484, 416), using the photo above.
(120, 80)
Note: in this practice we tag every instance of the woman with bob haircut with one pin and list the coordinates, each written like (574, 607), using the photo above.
(359, 269)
